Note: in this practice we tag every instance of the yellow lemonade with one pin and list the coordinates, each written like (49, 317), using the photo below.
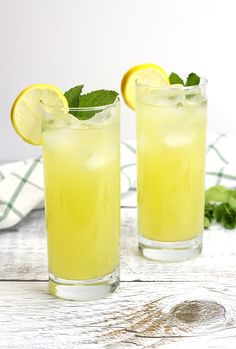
(81, 167)
(171, 127)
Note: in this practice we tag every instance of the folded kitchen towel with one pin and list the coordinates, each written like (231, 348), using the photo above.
(22, 185)
(21, 190)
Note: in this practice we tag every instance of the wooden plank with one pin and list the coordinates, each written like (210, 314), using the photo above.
(140, 314)
(23, 254)
(23, 251)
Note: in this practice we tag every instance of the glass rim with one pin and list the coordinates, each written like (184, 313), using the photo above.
(203, 82)
(98, 108)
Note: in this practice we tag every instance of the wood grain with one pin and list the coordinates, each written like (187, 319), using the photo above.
(140, 314)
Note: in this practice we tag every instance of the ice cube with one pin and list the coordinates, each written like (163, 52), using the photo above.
(181, 132)
(178, 139)
(100, 159)
(75, 123)
(166, 97)
(102, 118)
(95, 161)
(58, 139)
(53, 117)
(194, 96)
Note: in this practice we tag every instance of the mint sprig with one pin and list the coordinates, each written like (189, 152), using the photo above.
(192, 79)
(92, 99)
(220, 205)
(95, 99)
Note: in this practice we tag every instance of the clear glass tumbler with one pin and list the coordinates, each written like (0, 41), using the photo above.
(82, 200)
(171, 133)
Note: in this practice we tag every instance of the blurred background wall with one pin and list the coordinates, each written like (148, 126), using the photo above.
(69, 42)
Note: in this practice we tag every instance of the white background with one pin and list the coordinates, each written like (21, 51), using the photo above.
(69, 42)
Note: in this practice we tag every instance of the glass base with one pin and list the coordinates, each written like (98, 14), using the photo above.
(170, 251)
(84, 290)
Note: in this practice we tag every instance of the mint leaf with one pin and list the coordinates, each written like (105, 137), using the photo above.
(225, 215)
(225, 212)
(192, 80)
(229, 218)
(217, 193)
(73, 95)
(209, 212)
(207, 222)
(95, 99)
(175, 79)
(232, 199)
(219, 212)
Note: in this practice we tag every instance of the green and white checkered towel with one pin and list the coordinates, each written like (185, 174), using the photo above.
(22, 185)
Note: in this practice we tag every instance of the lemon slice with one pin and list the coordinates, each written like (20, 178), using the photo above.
(26, 112)
(148, 73)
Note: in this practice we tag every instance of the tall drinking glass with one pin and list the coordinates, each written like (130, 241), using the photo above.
(82, 200)
(171, 132)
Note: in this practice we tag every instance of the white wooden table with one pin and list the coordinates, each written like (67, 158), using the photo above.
(182, 305)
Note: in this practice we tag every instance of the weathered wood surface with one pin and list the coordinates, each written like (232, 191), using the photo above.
(184, 305)
(140, 314)
(24, 256)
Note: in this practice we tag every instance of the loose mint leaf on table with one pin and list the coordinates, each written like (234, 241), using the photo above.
(225, 215)
(175, 79)
(192, 80)
(220, 204)
(219, 212)
(207, 222)
(229, 218)
(95, 99)
(209, 212)
(217, 194)
(232, 199)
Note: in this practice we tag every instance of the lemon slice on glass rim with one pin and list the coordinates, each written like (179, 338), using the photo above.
(26, 112)
(148, 73)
